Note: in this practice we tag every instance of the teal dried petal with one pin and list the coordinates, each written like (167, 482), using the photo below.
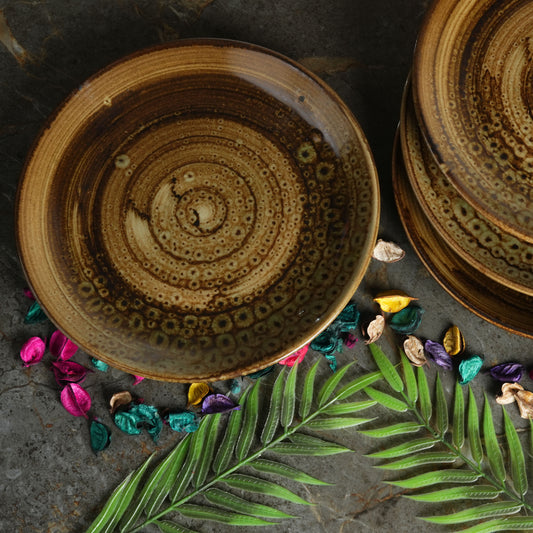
(140, 416)
(325, 343)
(100, 436)
(407, 320)
(469, 368)
(347, 319)
(99, 365)
(261, 373)
(35, 314)
(235, 385)
(128, 422)
(184, 421)
(332, 362)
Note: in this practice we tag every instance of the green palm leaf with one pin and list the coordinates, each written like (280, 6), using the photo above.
(328, 424)
(328, 387)
(191, 510)
(347, 408)
(171, 527)
(206, 458)
(458, 433)
(283, 470)
(424, 399)
(272, 421)
(405, 449)
(403, 428)
(479, 492)
(390, 373)
(441, 408)
(410, 379)
(472, 426)
(388, 401)
(358, 384)
(518, 464)
(308, 391)
(514, 523)
(425, 458)
(249, 424)
(492, 447)
(482, 512)
(450, 475)
(289, 398)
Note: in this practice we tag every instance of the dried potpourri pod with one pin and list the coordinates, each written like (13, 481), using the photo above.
(32, 351)
(35, 314)
(524, 399)
(119, 399)
(374, 329)
(137, 379)
(507, 372)
(295, 357)
(393, 301)
(140, 416)
(407, 320)
(61, 347)
(197, 392)
(100, 436)
(469, 368)
(387, 252)
(508, 394)
(414, 350)
(218, 403)
(438, 354)
(75, 400)
(69, 372)
(350, 340)
(99, 365)
(185, 421)
(454, 342)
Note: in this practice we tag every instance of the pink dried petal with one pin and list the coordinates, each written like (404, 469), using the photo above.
(295, 357)
(61, 347)
(350, 341)
(69, 372)
(137, 379)
(76, 400)
(29, 294)
(32, 351)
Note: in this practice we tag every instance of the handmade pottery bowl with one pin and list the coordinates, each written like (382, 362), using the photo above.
(473, 90)
(197, 211)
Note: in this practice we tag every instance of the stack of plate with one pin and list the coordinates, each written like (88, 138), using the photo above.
(463, 160)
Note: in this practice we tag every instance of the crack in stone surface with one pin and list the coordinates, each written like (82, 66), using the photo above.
(9, 41)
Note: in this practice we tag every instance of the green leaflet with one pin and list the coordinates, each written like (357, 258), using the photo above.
(450, 475)
(272, 421)
(441, 408)
(472, 426)
(390, 374)
(424, 399)
(513, 523)
(289, 472)
(292, 448)
(388, 401)
(403, 428)
(328, 387)
(479, 492)
(308, 391)
(328, 424)
(118, 502)
(404, 449)
(518, 465)
(420, 459)
(358, 384)
(487, 510)
(289, 398)
(249, 424)
(492, 447)
(206, 457)
(261, 486)
(171, 527)
(458, 432)
(409, 377)
(240, 505)
(347, 408)
(191, 510)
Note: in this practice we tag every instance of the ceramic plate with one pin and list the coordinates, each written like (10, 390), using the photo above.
(473, 88)
(500, 305)
(500, 256)
(197, 211)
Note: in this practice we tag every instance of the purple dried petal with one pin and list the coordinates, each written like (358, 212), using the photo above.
(438, 354)
(69, 372)
(32, 351)
(218, 403)
(76, 400)
(507, 372)
(61, 347)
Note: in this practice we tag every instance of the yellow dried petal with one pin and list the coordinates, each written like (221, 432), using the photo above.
(375, 329)
(387, 252)
(414, 350)
(393, 301)
(454, 342)
(508, 394)
(118, 399)
(524, 399)
(197, 392)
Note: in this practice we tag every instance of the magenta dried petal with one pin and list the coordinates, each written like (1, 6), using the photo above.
(62, 347)
(350, 340)
(137, 379)
(507, 372)
(68, 372)
(218, 403)
(32, 351)
(76, 400)
(438, 354)
(295, 357)
(29, 294)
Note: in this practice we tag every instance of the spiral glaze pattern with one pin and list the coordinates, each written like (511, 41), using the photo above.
(199, 221)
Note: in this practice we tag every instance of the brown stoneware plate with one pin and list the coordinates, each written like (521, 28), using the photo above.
(473, 89)
(500, 305)
(197, 211)
(499, 255)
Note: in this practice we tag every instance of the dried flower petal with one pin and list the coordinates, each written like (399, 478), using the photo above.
(393, 301)
(438, 354)
(137, 379)
(119, 399)
(508, 372)
(75, 400)
(407, 320)
(184, 421)
(218, 403)
(509, 391)
(469, 368)
(414, 350)
(387, 252)
(32, 351)
(375, 329)
(454, 342)
(35, 314)
(295, 357)
(332, 361)
(28, 293)
(61, 347)
(346, 320)
(524, 399)
(350, 341)
(235, 385)
(197, 392)
(99, 365)
(68, 372)
(261, 373)
(100, 436)
(140, 416)
(325, 343)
